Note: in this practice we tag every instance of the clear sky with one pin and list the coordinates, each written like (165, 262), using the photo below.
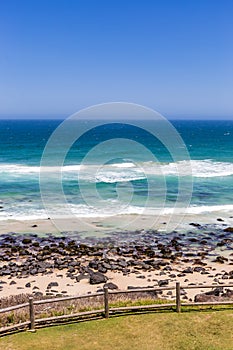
(57, 56)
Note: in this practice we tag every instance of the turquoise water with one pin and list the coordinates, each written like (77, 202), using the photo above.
(118, 177)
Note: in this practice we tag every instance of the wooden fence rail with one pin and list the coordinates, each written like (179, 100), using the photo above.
(107, 311)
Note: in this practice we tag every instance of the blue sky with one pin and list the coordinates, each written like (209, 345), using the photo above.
(58, 56)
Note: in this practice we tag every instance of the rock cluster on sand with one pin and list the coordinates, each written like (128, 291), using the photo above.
(127, 252)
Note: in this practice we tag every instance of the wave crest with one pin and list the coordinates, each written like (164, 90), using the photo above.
(120, 172)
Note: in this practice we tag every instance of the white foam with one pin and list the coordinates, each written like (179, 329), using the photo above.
(114, 177)
(128, 171)
(209, 168)
(72, 168)
(85, 211)
(123, 165)
(209, 209)
(196, 168)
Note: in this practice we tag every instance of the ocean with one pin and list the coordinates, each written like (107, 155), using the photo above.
(109, 171)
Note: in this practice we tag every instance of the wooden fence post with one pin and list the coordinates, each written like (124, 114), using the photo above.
(32, 314)
(106, 306)
(178, 303)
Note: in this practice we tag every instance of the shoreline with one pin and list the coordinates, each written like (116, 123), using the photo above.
(99, 226)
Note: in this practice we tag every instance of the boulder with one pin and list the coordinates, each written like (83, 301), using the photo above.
(97, 277)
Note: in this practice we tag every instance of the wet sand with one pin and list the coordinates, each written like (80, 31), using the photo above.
(99, 226)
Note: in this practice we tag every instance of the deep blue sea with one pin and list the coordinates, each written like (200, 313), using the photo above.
(104, 173)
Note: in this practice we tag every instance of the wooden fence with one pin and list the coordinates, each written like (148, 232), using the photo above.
(106, 311)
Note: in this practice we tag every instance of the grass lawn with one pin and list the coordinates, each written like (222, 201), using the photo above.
(163, 331)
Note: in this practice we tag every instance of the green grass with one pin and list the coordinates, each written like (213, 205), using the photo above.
(209, 330)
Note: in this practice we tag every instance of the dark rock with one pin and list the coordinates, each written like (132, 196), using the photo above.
(52, 284)
(26, 241)
(193, 240)
(162, 283)
(203, 241)
(215, 295)
(202, 298)
(217, 291)
(97, 277)
(188, 270)
(12, 282)
(106, 266)
(194, 224)
(93, 264)
(102, 269)
(198, 269)
(133, 287)
(220, 259)
(122, 263)
(228, 294)
(228, 229)
(71, 269)
(81, 277)
(111, 285)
